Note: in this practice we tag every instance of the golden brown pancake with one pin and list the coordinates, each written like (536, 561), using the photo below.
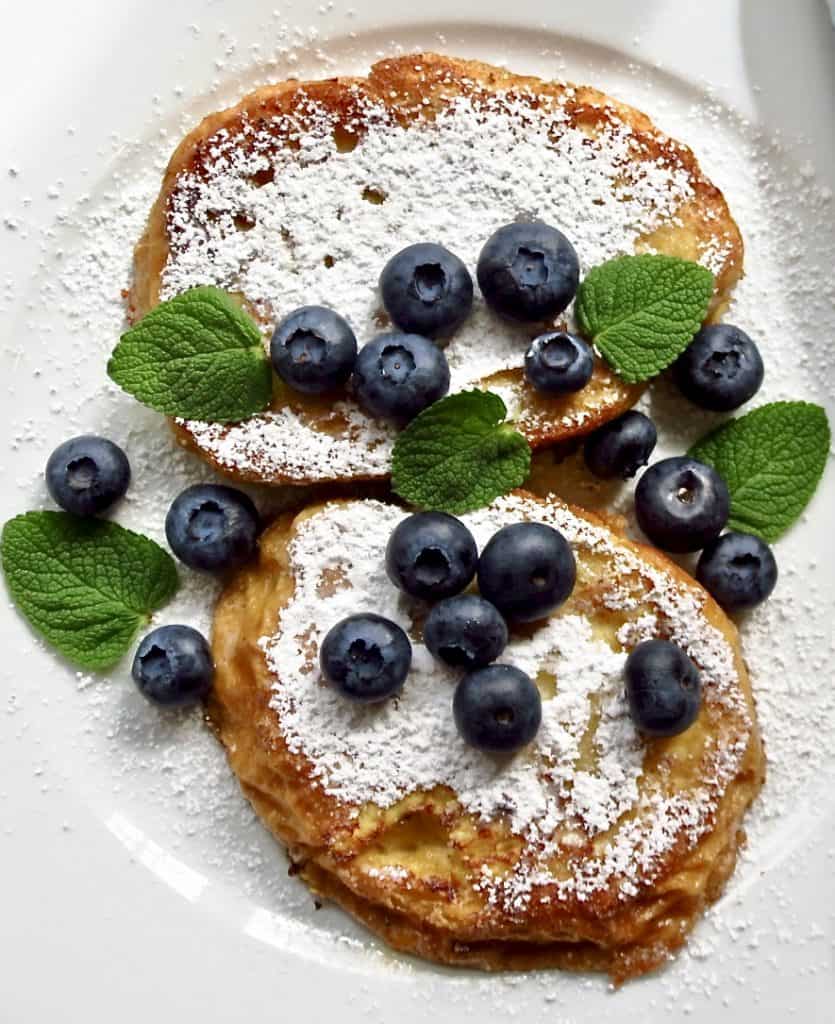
(592, 848)
(301, 192)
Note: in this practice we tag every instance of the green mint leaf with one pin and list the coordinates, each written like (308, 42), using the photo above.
(86, 585)
(772, 460)
(198, 356)
(643, 311)
(459, 454)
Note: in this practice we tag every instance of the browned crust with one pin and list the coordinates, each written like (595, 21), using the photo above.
(416, 87)
(430, 918)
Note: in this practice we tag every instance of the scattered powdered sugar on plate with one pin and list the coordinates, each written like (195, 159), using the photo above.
(381, 754)
(314, 224)
(170, 776)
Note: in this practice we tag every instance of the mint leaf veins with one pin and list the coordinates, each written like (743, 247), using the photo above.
(459, 454)
(643, 311)
(86, 585)
(197, 356)
(772, 460)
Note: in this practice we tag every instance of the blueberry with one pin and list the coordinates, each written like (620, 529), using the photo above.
(497, 709)
(211, 527)
(738, 569)
(663, 688)
(366, 658)
(558, 363)
(526, 570)
(173, 666)
(398, 375)
(528, 271)
(427, 290)
(313, 350)
(431, 555)
(681, 504)
(465, 631)
(87, 474)
(720, 369)
(620, 447)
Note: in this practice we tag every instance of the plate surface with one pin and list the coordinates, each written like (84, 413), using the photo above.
(135, 880)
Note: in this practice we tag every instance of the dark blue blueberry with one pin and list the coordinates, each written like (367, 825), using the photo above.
(313, 350)
(465, 631)
(398, 375)
(663, 688)
(720, 369)
(526, 570)
(87, 474)
(173, 666)
(681, 504)
(431, 555)
(558, 363)
(366, 658)
(528, 271)
(211, 527)
(497, 709)
(738, 569)
(621, 446)
(427, 290)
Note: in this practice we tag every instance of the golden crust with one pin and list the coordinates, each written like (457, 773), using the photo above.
(441, 913)
(414, 88)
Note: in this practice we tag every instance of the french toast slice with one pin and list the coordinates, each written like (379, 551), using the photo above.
(593, 848)
(301, 192)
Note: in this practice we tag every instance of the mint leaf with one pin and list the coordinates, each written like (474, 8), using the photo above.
(643, 311)
(197, 356)
(772, 460)
(86, 585)
(459, 454)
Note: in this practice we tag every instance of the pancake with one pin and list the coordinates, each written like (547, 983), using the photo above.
(300, 194)
(593, 848)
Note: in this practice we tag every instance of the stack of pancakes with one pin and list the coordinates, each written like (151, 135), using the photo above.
(574, 862)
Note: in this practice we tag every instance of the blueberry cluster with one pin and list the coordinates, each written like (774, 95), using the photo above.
(209, 527)
(528, 272)
(525, 571)
(683, 505)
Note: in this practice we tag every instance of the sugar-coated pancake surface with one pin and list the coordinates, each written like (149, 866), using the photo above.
(300, 193)
(593, 848)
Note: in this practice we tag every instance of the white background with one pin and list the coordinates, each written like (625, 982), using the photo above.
(96, 923)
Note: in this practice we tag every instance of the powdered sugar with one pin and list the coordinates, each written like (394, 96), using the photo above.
(311, 224)
(102, 744)
(382, 754)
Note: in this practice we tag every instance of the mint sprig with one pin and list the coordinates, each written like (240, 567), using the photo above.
(86, 585)
(197, 356)
(459, 454)
(643, 311)
(772, 460)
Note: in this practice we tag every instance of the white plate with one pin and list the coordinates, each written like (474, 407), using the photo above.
(135, 882)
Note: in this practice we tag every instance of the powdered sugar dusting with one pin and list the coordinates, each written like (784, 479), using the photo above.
(99, 741)
(411, 743)
(294, 226)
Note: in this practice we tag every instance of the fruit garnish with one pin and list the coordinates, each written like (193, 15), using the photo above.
(528, 271)
(313, 350)
(681, 504)
(396, 376)
(431, 555)
(427, 290)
